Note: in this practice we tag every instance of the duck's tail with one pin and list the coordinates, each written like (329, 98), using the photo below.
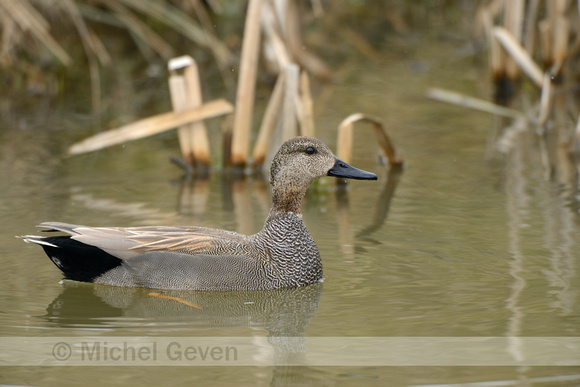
(77, 261)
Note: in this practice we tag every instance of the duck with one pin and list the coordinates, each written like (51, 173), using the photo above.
(281, 255)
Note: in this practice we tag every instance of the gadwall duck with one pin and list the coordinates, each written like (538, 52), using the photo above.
(282, 255)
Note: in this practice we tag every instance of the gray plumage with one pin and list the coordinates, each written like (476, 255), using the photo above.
(282, 255)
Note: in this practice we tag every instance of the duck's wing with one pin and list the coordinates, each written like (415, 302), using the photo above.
(127, 242)
(187, 240)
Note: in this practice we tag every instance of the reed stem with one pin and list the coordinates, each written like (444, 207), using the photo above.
(271, 116)
(185, 90)
(150, 126)
(345, 138)
(472, 103)
(517, 52)
(199, 137)
(246, 85)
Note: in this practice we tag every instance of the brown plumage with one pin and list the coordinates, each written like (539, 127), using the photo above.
(282, 255)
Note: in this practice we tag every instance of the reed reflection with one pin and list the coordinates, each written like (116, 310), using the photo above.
(556, 214)
(381, 211)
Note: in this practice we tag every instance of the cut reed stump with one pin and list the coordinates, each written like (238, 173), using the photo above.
(185, 90)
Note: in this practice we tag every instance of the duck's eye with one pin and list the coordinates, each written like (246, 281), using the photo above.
(310, 150)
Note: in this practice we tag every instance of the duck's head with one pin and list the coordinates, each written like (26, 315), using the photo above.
(298, 163)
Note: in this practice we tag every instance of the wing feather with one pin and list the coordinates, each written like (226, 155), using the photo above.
(127, 242)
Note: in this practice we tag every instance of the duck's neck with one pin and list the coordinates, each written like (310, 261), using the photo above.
(289, 250)
(288, 199)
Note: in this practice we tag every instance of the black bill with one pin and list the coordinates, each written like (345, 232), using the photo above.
(342, 169)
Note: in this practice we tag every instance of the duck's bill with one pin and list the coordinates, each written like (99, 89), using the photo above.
(342, 169)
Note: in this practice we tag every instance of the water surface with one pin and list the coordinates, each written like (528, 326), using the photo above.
(466, 241)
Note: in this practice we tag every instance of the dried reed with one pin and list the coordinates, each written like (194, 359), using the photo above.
(291, 102)
(22, 13)
(286, 125)
(304, 107)
(179, 102)
(345, 138)
(268, 124)
(289, 111)
(185, 92)
(552, 36)
(472, 103)
(185, 25)
(150, 126)
(246, 85)
(288, 121)
(20, 18)
(576, 143)
(519, 55)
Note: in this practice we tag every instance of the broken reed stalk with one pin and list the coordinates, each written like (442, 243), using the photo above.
(268, 124)
(150, 126)
(185, 90)
(521, 57)
(246, 85)
(345, 138)
(472, 103)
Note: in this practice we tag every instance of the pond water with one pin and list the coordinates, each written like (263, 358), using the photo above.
(464, 242)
